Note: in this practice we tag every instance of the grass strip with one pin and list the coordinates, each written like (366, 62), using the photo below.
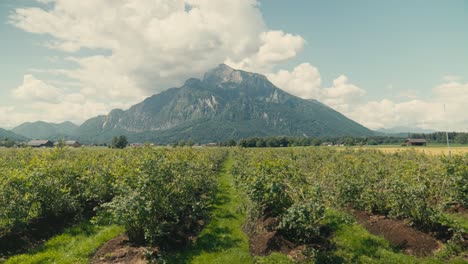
(222, 240)
(75, 245)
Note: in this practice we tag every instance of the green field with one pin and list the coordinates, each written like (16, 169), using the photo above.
(234, 205)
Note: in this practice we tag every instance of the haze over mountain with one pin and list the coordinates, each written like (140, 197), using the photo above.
(44, 130)
(405, 129)
(225, 104)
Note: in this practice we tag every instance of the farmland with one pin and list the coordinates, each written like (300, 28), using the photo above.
(233, 205)
(430, 149)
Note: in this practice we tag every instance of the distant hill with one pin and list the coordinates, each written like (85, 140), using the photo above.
(44, 130)
(5, 134)
(225, 104)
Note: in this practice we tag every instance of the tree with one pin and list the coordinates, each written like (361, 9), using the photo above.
(61, 143)
(190, 143)
(181, 143)
(7, 143)
(119, 142)
(231, 143)
(260, 143)
(461, 138)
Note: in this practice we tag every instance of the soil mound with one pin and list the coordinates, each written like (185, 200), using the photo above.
(119, 251)
(265, 239)
(408, 239)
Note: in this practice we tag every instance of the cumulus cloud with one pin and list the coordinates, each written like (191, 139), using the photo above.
(305, 81)
(142, 47)
(37, 90)
(445, 110)
(276, 47)
(153, 45)
(342, 95)
(46, 102)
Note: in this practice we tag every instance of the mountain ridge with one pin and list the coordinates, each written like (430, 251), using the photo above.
(224, 104)
(7, 134)
(45, 130)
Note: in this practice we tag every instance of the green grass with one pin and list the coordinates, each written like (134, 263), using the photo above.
(461, 219)
(354, 244)
(222, 240)
(75, 245)
(274, 258)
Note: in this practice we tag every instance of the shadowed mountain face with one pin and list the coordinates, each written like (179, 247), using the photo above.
(225, 104)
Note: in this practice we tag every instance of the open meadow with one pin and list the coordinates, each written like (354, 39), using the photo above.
(233, 205)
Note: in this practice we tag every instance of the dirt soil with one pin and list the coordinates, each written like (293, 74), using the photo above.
(399, 234)
(264, 240)
(459, 209)
(119, 251)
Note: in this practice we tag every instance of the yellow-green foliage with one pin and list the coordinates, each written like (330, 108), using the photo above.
(40, 184)
(296, 184)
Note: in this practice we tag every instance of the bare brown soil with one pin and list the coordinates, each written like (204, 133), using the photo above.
(120, 251)
(399, 234)
(265, 239)
(459, 209)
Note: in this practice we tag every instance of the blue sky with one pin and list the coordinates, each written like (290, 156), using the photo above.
(410, 45)
(381, 63)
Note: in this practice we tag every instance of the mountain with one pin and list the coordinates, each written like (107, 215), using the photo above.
(5, 134)
(44, 130)
(225, 104)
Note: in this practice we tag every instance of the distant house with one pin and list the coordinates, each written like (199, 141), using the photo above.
(328, 144)
(40, 144)
(137, 145)
(72, 143)
(69, 143)
(415, 142)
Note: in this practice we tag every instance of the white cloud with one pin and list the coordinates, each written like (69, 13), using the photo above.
(305, 81)
(428, 114)
(156, 44)
(142, 47)
(146, 46)
(276, 47)
(342, 95)
(46, 102)
(37, 90)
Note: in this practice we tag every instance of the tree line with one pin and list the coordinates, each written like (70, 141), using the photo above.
(441, 137)
(283, 141)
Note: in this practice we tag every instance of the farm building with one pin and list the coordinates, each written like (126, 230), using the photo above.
(40, 143)
(68, 143)
(415, 142)
(72, 143)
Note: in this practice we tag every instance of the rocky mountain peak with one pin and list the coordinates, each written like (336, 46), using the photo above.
(223, 74)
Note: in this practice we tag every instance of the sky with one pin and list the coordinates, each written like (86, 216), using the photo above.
(381, 63)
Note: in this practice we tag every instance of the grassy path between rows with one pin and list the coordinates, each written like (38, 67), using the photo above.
(75, 245)
(222, 240)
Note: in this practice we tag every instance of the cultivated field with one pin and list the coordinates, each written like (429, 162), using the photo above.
(432, 150)
(233, 205)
